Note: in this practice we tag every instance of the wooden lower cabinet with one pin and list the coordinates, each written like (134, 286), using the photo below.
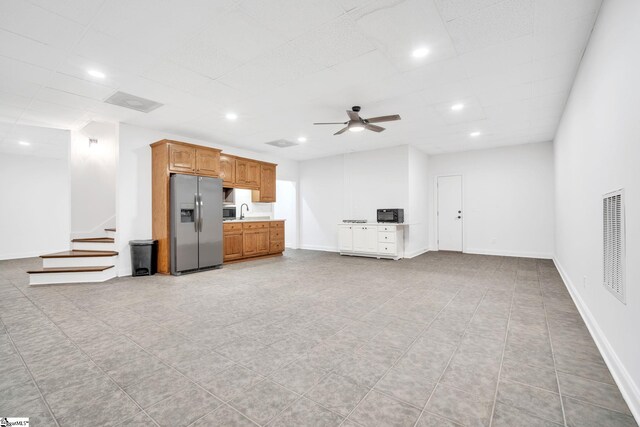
(232, 246)
(252, 239)
(255, 242)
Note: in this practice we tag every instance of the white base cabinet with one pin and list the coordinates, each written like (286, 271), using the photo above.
(372, 240)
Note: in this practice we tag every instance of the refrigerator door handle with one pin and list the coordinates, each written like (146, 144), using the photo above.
(200, 212)
(196, 212)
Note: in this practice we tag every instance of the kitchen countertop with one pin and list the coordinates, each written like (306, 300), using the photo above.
(374, 223)
(252, 220)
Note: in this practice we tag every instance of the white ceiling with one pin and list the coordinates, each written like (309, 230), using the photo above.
(283, 64)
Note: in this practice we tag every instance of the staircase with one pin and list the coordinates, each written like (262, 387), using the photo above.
(90, 260)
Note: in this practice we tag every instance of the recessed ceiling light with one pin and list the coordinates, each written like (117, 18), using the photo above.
(457, 107)
(25, 143)
(356, 128)
(420, 52)
(302, 139)
(474, 134)
(97, 74)
(231, 116)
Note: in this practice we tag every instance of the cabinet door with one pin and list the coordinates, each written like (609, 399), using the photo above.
(255, 243)
(365, 239)
(253, 174)
(182, 159)
(262, 242)
(249, 243)
(372, 238)
(248, 173)
(227, 170)
(207, 162)
(232, 246)
(345, 238)
(267, 192)
(359, 238)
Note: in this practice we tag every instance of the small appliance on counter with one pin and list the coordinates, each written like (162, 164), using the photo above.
(228, 213)
(391, 215)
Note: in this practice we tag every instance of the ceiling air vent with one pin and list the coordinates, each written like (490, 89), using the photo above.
(133, 102)
(282, 143)
(614, 243)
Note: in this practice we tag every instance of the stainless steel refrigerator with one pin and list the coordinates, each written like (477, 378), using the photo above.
(196, 223)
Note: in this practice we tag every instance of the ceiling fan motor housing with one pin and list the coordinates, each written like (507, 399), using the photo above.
(355, 108)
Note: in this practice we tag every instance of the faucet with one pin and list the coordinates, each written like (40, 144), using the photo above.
(241, 214)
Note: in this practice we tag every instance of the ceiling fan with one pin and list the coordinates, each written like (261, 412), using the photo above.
(357, 123)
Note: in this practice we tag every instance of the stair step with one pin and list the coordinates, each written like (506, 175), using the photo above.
(95, 240)
(65, 275)
(70, 269)
(80, 254)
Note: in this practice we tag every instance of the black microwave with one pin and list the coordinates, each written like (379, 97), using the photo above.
(391, 215)
(228, 212)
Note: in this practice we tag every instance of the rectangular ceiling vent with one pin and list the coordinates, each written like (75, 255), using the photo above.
(614, 243)
(282, 143)
(133, 102)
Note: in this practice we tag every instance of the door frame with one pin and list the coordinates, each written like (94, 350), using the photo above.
(437, 208)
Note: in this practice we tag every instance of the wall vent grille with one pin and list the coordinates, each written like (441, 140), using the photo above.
(614, 243)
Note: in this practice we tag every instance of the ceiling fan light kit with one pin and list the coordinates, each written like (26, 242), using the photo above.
(358, 124)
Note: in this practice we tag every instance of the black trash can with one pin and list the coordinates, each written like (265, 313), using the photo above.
(144, 257)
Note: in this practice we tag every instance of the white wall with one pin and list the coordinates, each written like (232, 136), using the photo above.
(323, 202)
(93, 179)
(133, 202)
(34, 193)
(597, 150)
(508, 201)
(354, 186)
(417, 234)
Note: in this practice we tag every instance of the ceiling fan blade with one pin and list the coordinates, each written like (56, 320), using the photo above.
(353, 115)
(374, 128)
(332, 123)
(343, 130)
(382, 119)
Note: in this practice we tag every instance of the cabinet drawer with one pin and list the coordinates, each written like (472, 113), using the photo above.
(255, 225)
(387, 228)
(232, 228)
(386, 237)
(387, 248)
(276, 247)
(276, 234)
(277, 224)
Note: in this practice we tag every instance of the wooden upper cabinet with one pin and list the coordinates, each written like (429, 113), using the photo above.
(228, 170)
(267, 191)
(182, 158)
(207, 162)
(247, 173)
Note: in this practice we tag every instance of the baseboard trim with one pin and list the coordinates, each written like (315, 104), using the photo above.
(414, 254)
(31, 254)
(537, 255)
(629, 389)
(319, 248)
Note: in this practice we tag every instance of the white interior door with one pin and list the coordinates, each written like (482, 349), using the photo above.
(450, 213)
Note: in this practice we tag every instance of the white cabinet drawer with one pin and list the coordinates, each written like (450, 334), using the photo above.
(387, 248)
(387, 228)
(386, 237)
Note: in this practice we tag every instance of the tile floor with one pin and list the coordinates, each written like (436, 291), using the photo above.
(308, 339)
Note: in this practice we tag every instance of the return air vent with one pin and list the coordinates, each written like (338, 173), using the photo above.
(133, 102)
(614, 243)
(282, 143)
